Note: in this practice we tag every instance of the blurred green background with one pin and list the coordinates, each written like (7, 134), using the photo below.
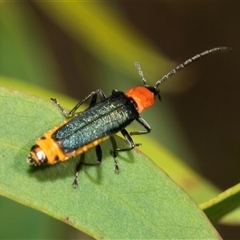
(77, 47)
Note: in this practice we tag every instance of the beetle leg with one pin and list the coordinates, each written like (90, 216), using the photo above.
(71, 113)
(144, 124)
(116, 167)
(132, 145)
(101, 96)
(81, 163)
(99, 154)
(129, 139)
(78, 168)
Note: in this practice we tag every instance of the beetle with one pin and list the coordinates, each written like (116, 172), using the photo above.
(102, 119)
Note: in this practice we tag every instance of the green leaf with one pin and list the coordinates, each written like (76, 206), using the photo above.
(222, 204)
(139, 202)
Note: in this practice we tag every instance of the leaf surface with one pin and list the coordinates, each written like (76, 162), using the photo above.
(139, 202)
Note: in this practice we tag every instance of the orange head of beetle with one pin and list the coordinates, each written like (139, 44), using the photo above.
(144, 95)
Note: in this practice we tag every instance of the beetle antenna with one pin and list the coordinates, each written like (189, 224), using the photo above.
(189, 61)
(140, 72)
